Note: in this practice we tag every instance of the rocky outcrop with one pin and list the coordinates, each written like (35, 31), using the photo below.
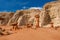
(15, 17)
(53, 9)
(28, 16)
(5, 17)
(44, 18)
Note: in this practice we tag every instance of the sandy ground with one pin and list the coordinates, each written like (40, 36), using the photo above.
(34, 34)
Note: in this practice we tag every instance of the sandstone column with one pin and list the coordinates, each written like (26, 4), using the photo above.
(36, 21)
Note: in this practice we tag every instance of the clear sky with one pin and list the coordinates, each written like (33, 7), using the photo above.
(13, 5)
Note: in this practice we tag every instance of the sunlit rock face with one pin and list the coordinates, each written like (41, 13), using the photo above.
(53, 9)
(23, 17)
(5, 17)
(15, 17)
(28, 17)
(44, 18)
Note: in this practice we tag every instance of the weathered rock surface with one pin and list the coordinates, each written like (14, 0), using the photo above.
(28, 16)
(15, 17)
(53, 9)
(5, 17)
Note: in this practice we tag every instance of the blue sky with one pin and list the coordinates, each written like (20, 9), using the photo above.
(13, 5)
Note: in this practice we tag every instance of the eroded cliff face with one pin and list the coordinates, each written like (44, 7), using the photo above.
(28, 17)
(15, 17)
(49, 13)
(53, 9)
(21, 17)
(5, 17)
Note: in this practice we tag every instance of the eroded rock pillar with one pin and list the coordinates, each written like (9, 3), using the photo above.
(36, 21)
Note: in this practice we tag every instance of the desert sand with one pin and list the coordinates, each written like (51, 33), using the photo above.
(33, 34)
